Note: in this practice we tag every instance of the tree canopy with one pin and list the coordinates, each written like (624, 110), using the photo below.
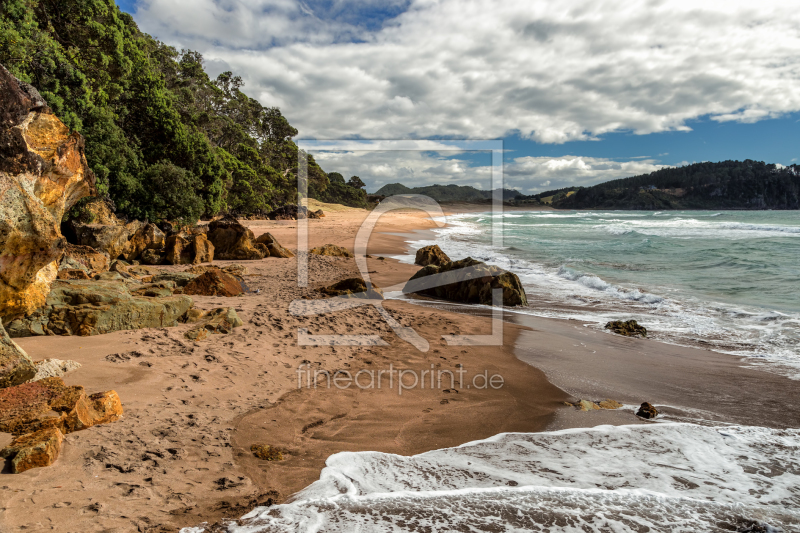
(165, 140)
(725, 185)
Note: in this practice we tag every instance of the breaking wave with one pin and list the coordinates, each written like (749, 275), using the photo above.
(649, 477)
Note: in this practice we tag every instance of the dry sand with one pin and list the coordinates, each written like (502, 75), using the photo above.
(180, 455)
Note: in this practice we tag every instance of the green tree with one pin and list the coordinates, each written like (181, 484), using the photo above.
(356, 182)
(149, 112)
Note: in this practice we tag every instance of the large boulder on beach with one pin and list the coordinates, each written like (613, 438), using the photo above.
(43, 173)
(49, 403)
(331, 250)
(274, 247)
(354, 288)
(629, 328)
(215, 282)
(147, 237)
(113, 240)
(233, 241)
(95, 307)
(34, 450)
(40, 413)
(431, 255)
(188, 249)
(15, 365)
(467, 281)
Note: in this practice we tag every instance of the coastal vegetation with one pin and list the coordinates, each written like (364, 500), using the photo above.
(725, 185)
(445, 193)
(164, 139)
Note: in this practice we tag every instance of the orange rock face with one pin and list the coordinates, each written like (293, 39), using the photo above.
(34, 450)
(40, 413)
(43, 172)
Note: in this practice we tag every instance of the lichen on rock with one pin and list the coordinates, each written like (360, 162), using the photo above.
(43, 172)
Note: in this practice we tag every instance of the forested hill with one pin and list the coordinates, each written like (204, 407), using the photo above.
(445, 193)
(725, 185)
(164, 139)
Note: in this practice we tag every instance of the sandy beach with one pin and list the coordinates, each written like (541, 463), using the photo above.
(181, 455)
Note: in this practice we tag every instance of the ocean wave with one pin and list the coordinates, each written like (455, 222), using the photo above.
(593, 282)
(759, 227)
(654, 477)
(617, 230)
(769, 339)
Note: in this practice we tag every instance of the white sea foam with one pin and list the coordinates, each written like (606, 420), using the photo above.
(653, 477)
(769, 339)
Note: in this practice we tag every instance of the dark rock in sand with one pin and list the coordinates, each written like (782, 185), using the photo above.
(292, 212)
(630, 328)
(233, 241)
(15, 365)
(467, 281)
(431, 255)
(97, 307)
(354, 288)
(647, 410)
(215, 282)
(267, 452)
(331, 250)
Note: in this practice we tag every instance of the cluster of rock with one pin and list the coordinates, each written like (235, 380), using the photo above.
(354, 288)
(629, 328)
(293, 212)
(38, 414)
(593, 405)
(216, 321)
(331, 250)
(132, 297)
(464, 281)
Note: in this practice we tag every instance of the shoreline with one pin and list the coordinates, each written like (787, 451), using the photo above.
(180, 456)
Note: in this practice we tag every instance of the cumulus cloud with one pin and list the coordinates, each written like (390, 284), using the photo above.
(553, 70)
(570, 171)
(419, 163)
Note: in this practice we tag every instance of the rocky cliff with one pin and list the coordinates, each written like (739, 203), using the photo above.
(43, 172)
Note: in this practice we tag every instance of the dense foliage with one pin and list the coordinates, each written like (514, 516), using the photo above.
(445, 193)
(339, 192)
(724, 185)
(164, 139)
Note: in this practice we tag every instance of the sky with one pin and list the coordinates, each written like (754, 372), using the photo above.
(579, 91)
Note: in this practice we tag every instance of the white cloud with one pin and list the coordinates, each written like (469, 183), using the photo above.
(569, 171)
(384, 163)
(553, 70)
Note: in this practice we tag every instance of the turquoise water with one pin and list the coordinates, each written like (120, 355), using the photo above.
(726, 280)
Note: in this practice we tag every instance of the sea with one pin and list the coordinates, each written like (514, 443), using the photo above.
(725, 280)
